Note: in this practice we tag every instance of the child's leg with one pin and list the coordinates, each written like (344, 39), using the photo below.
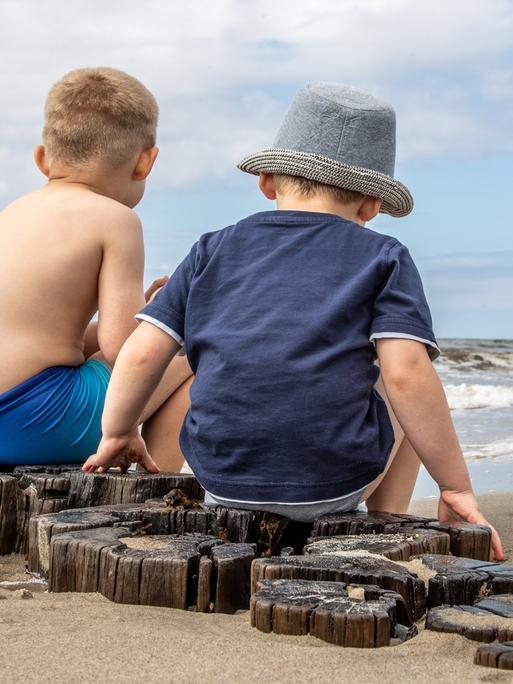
(393, 493)
(393, 490)
(161, 431)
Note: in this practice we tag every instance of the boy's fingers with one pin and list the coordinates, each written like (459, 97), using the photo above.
(92, 465)
(156, 285)
(149, 464)
(497, 550)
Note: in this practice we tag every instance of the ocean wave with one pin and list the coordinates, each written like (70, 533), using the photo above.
(466, 396)
(499, 449)
(465, 359)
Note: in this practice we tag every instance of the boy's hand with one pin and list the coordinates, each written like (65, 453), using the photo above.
(155, 287)
(120, 452)
(456, 506)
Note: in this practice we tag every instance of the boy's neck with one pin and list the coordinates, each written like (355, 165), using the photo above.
(324, 205)
(109, 183)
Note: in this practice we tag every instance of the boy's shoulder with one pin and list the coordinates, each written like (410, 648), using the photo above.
(67, 201)
(368, 243)
(103, 216)
(104, 210)
(273, 217)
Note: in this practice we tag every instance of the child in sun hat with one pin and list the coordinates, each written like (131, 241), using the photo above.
(283, 316)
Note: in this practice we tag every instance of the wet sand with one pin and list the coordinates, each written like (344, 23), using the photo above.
(85, 638)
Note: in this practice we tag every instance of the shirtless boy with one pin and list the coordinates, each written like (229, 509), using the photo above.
(283, 316)
(69, 250)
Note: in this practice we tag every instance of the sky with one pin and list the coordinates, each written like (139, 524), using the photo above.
(224, 72)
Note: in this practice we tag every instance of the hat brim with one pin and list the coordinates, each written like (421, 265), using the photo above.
(396, 198)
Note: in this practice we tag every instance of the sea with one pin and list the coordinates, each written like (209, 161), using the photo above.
(477, 376)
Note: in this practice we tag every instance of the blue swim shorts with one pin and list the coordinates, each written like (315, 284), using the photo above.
(55, 416)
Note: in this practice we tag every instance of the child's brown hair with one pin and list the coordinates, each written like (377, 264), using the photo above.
(99, 114)
(307, 188)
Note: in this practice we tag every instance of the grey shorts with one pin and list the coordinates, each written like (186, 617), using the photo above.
(302, 512)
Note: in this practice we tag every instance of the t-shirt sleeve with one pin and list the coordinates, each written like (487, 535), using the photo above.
(167, 308)
(401, 309)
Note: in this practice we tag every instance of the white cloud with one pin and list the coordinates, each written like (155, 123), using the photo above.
(220, 70)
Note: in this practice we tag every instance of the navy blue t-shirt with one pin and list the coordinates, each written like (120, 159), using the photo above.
(278, 313)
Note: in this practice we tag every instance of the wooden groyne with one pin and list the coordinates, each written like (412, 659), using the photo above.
(353, 579)
(33, 490)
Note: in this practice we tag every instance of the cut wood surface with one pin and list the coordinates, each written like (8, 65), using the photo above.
(47, 469)
(360, 522)
(34, 490)
(23, 495)
(460, 581)
(269, 533)
(115, 488)
(400, 546)
(352, 567)
(161, 570)
(495, 655)
(490, 619)
(130, 516)
(325, 610)
(467, 540)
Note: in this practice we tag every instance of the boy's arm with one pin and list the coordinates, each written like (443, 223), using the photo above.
(139, 367)
(120, 283)
(419, 402)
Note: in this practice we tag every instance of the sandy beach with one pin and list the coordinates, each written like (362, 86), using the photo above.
(84, 637)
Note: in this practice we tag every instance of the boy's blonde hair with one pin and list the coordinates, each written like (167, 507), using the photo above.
(308, 188)
(99, 114)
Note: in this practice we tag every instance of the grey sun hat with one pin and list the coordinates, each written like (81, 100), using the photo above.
(338, 135)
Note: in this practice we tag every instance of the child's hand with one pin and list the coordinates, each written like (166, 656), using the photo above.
(120, 452)
(456, 506)
(155, 287)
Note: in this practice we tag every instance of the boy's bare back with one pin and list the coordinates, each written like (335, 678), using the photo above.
(65, 252)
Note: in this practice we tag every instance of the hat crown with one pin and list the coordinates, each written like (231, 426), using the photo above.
(343, 123)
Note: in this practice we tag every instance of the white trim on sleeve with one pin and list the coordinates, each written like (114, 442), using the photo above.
(407, 336)
(162, 326)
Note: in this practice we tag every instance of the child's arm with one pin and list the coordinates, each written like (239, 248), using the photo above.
(418, 399)
(139, 368)
(120, 282)
(91, 345)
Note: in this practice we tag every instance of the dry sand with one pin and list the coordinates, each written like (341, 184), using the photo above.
(85, 638)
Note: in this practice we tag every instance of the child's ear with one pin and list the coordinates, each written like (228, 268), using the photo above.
(369, 208)
(145, 163)
(266, 185)
(41, 160)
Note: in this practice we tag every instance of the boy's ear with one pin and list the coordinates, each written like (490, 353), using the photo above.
(369, 208)
(41, 160)
(266, 185)
(145, 163)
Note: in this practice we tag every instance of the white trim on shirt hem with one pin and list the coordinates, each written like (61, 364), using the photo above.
(162, 326)
(403, 336)
(288, 503)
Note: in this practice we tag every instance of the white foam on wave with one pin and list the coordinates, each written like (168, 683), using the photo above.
(462, 359)
(466, 396)
(500, 449)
